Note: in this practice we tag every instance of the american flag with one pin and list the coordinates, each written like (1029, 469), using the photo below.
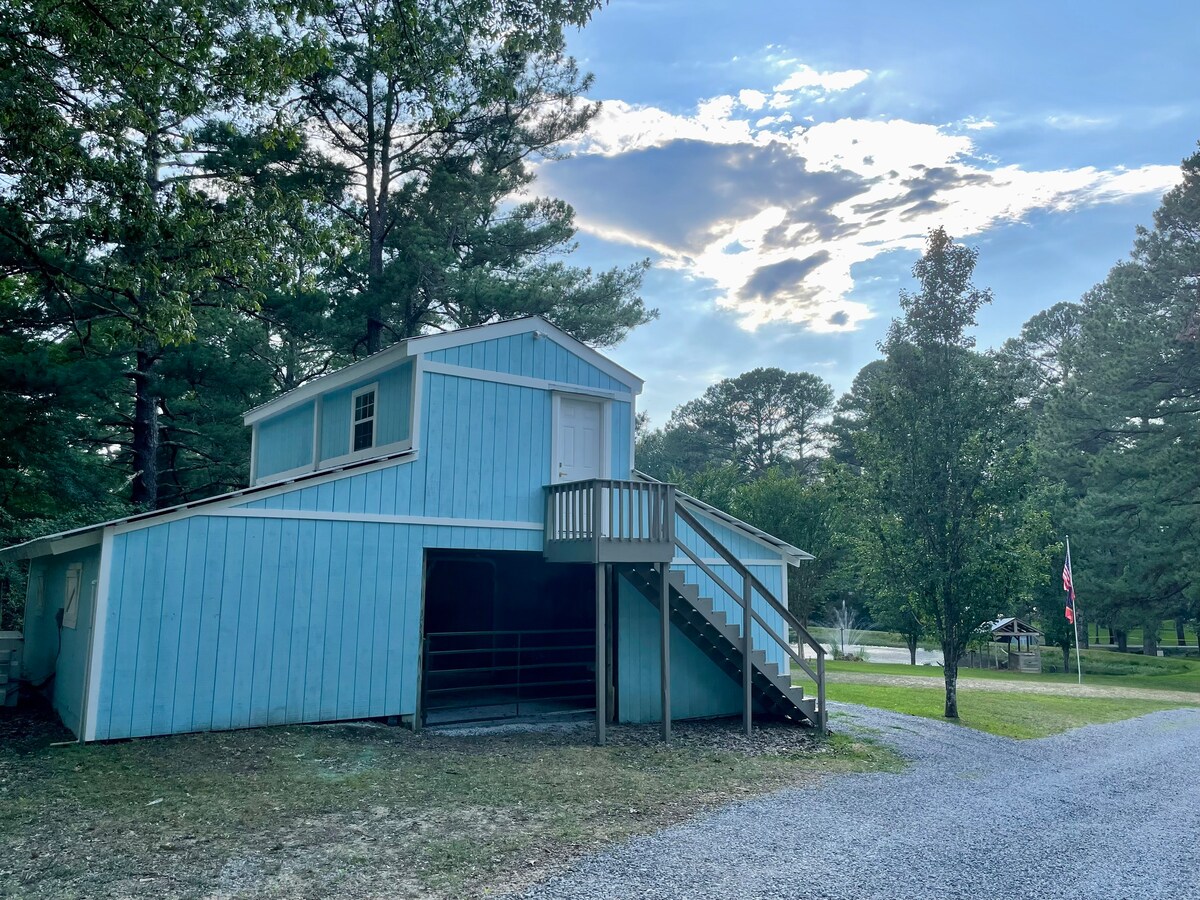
(1069, 587)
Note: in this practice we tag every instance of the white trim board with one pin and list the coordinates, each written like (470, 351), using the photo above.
(364, 368)
(430, 343)
(524, 381)
(720, 561)
(95, 663)
(263, 492)
(321, 515)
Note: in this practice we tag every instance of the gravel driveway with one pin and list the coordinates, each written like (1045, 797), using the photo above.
(1104, 811)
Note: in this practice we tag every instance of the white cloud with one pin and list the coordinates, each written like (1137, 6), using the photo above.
(1076, 122)
(752, 99)
(806, 77)
(788, 211)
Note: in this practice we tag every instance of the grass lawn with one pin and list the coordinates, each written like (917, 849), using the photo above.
(1100, 667)
(1010, 715)
(364, 810)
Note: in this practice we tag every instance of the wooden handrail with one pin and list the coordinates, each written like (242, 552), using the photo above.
(739, 567)
(724, 585)
(599, 510)
(786, 614)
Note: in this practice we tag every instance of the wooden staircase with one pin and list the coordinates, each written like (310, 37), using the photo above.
(721, 641)
(629, 528)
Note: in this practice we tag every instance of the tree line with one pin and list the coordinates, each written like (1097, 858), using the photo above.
(937, 491)
(204, 203)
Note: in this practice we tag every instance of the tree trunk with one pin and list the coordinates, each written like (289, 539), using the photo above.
(950, 673)
(1150, 641)
(1122, 641)
(1083, 635)
(144, 490)
(374, 288)
(1066, 658)
(912, 650)
(1180, 637)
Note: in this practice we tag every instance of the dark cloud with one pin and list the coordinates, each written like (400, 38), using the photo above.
(920, 191)
(923, 208)
(807, 220)
(676, 193)
(783, 280)
(841, 317)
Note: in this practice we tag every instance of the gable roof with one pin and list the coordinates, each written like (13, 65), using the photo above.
(427, 343)
(792, 554)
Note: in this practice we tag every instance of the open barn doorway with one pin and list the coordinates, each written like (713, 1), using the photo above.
(506, 635)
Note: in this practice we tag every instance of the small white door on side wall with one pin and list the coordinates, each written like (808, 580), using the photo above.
(579, 440)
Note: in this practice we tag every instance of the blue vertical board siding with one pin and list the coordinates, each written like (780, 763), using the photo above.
(522, 354)
(223, 622)
(621, 429)
(698, 687)
(745, 549)
(393, 410)
(43, 652)
(285, 441)
(484, 455)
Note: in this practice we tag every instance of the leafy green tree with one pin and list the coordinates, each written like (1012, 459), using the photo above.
(944, 484)
(1123, 428)
(423, 122)
(1056, 630)
(797, 510)
(122, 205)
(760, 420)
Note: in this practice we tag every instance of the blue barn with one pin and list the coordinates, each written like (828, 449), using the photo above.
(450, 529)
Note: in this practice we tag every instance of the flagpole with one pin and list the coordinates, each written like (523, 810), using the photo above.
(1075, 613)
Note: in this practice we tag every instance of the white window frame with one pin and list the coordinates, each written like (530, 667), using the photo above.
(71, 598)
(374, 420)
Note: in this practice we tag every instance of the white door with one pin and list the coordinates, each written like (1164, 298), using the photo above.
(579, 443)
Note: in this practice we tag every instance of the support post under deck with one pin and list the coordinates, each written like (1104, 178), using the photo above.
(601, 657)
(664, 605)
(747, 659)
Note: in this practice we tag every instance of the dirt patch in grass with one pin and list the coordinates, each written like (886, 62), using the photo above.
(364, 810)
(1022, 715)
(1016, 685)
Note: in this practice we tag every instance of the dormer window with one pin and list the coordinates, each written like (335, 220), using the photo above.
(362, 419)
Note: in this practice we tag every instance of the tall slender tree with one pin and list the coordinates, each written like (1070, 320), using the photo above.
(943, 482)
(424, 121)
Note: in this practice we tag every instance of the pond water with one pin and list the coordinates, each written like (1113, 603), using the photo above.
(893, 654)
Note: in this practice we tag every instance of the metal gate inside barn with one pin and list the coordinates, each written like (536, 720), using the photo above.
(506, 635)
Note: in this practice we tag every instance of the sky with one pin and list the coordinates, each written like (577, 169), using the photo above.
(780, 162)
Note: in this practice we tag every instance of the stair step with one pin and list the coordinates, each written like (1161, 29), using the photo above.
(709, 628)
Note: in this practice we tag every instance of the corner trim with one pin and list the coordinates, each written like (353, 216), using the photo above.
(95, 664)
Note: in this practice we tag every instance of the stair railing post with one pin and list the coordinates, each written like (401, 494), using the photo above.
(664, 602)
(822, 714)
(597, 499)
(601, 657)
(747, 659)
